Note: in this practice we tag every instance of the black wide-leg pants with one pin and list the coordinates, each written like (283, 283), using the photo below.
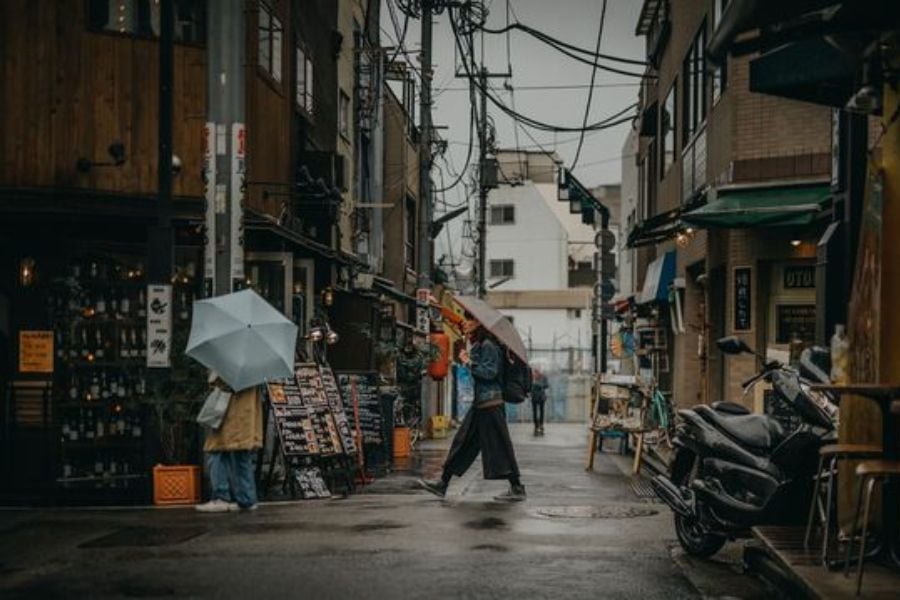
(483, 430)
(537, 409)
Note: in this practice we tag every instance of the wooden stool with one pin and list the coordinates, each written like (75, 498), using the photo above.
(869, 472)
(832, 454)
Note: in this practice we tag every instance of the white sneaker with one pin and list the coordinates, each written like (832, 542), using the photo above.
(216, 505)
(250, 508)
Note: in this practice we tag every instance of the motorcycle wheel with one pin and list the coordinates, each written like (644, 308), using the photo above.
(691, 535)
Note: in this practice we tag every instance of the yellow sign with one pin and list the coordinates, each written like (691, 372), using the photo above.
(35, 351)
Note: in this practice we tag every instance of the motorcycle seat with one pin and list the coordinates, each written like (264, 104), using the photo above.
(759, 432)
(730, 408)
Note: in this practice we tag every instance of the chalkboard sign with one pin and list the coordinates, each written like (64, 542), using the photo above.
(743, 305)
(324, 426)
(292, 419)
(336, 404)
(363, 403)
(795, 321)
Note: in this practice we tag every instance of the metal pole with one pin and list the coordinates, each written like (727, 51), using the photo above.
(225, 116)
(161, 247)
(425, 135)
(483, 188)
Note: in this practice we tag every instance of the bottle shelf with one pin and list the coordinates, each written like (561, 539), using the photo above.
(99, 478)
(105, 442)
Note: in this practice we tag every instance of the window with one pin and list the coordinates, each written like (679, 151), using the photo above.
(344, 114)
(410, 233)
(502, 268)
(270, 33)
(720, 72)
(695, 85)
(667, 131)
(140, 18)
(573, 313)
(304, 93)
(504, 214)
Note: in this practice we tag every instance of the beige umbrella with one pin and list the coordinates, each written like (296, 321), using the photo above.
(495, 322)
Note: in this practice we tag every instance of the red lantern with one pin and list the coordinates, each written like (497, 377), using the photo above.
(440, 366)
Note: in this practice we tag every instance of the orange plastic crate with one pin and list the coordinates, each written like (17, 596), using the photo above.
(176, 484)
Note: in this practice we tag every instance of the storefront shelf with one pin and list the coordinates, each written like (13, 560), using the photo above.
(98, 478)
(99, 444)
(135, 363)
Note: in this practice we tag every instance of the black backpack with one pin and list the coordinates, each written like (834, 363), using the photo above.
(516, 379)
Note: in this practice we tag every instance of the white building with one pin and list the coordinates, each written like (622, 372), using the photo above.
(539, 259)
(628, 284)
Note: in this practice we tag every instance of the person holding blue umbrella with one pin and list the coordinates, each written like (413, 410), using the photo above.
(245, 342)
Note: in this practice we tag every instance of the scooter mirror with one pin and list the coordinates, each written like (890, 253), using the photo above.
(733, 345)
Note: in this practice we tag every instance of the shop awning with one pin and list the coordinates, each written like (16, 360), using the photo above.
(655, 229)
(258, 221)
(660, 275)
(755, 207)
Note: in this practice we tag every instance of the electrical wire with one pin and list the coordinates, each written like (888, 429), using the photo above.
(606, 123)
(556, 43)
(587, 106)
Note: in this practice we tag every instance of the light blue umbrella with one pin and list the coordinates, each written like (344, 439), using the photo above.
(243, 338)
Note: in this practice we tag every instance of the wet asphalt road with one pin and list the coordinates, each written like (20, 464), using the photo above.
(392, 542)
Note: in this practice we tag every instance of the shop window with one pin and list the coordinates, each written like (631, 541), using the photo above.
(304, 70)
(344, 114)
(502, 268)
(140, 18)
(270, 35)
(503, 214)
(694, 80)
(720, 72)
(667, 123)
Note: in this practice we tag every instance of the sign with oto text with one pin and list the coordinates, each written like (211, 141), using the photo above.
(35, 351)
(743, 302)
(159, 326)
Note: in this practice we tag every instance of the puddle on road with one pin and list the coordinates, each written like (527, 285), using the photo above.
(145, 536)
(491, 547)
(486, 523)
(603, 511)
(377, 526)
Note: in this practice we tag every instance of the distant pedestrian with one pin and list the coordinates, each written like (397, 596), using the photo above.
(484, 427)
(230, 452)
(539, 387)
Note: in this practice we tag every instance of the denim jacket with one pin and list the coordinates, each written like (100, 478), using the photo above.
(486, 362)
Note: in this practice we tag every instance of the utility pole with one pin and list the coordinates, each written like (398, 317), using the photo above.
(482, 186)
(226, 146)
(425, 141)
(161, 247)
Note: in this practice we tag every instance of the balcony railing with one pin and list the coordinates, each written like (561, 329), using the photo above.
(693, 165)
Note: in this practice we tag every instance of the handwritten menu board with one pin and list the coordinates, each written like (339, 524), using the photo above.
(309, 379)
(743, 305)
(305, 418)
(795, 321)
(292, 419)
(336, 404)
(362, 390)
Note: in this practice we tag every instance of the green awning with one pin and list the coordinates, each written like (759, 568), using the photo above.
(779, 206)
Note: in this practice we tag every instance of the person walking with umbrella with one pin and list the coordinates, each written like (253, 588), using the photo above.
(484, 427)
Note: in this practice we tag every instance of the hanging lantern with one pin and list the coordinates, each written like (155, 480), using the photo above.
(440, 366)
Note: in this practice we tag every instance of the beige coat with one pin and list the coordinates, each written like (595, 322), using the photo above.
(242, 427)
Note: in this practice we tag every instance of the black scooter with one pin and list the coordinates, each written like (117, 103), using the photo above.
(734, 470)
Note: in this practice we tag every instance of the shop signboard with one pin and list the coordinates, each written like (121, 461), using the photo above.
(209, 192)
(743, 304)
(35, 351)
(795, 321)
(799, 277)
(238, 161)
(159, 326)
(423, 323)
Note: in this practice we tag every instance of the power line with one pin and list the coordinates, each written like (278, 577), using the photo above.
(555, 42)
(587, 107)
(531, 88)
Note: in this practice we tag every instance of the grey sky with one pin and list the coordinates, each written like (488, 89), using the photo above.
(535, 64)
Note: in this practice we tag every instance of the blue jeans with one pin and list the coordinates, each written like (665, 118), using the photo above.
(232, 476)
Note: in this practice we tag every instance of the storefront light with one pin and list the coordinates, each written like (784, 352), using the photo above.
(316, 334)
(332, 337)
(796, 243)
(327, 296)
(26, 272)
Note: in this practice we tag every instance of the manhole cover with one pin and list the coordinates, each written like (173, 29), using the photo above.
(145, 536)
(595, 512)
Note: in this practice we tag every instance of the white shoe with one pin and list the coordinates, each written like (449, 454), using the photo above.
(214, 506)
(250, 508)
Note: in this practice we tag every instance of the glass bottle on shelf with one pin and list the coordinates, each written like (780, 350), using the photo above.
(100, 306)
(74, 392)
(125, 305)
(85, 349)
(88, 424)
(124, 348)
(99, 349)
(133, 350)
(120, 423)
(142, 342)
(99, 425)
(94, 388)
(121, 392)
(142, 304)
(183, 308)
(104, 386)
(60, 344)
(65, 429)
(142, 385)
(136, 430)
